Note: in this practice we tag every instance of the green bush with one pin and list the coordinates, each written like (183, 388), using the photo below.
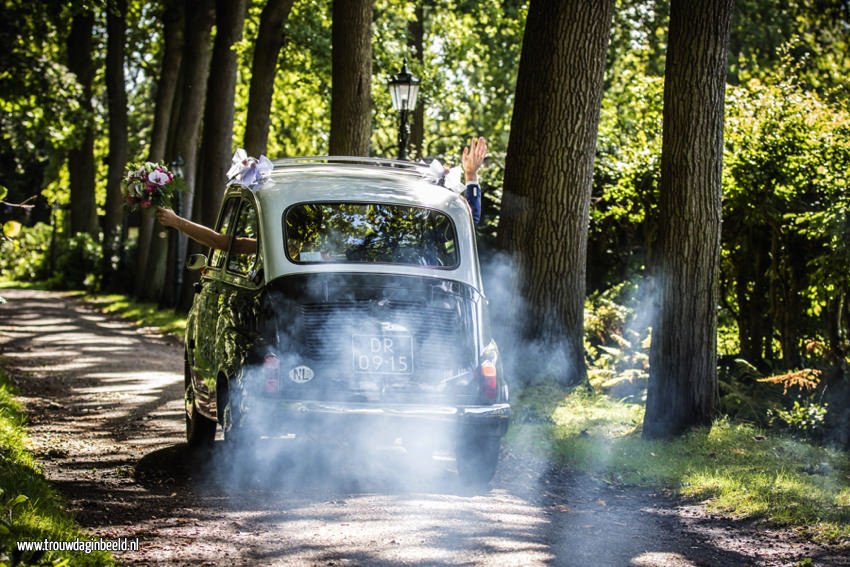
(27, 256)
(617, 341)
(66, 263)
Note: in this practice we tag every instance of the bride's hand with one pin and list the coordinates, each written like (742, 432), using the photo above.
(167, 217)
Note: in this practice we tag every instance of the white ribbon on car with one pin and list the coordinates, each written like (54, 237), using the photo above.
(449, 178)
(248, 171)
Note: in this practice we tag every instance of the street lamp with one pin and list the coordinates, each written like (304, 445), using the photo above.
(404, 88)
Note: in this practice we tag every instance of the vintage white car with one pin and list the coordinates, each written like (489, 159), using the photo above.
(350, 301)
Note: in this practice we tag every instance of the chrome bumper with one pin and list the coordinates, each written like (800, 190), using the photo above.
(289, 412)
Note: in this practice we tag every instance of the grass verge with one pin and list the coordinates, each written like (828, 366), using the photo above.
(30, 510)
(733, 468)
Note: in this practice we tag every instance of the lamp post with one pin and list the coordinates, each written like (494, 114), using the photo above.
(404, 88)
(179, 242)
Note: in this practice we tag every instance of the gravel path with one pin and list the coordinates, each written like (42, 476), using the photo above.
(106, 422)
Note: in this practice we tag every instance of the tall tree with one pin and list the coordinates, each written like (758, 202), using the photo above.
(185, 125)
(166, 88)
(217, 139)
(415, 47)
(217, 142)
(116, 29)
(34, 85)
(351, 94)
(683, 372)
(81, 168)
(266, 52)
(549, 170)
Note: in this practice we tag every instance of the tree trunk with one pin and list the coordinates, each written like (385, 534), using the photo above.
(166, 89)
(792, 285)
(217, 143)
(351, 91)
(752, 261)
(549, 173)
(266, 53)
(81, 168)
(200, 16)
(116, 28)
(416, 45)
(683, 367)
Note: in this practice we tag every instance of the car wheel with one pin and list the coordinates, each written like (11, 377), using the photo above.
(477, 457)
(200, 430)
(235, 434)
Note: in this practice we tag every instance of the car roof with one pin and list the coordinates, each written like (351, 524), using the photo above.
(312, 179)
(332, 179)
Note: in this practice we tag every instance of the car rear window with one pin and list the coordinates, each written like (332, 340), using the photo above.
(369, 233)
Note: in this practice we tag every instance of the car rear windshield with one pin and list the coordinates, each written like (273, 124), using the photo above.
(369, 233)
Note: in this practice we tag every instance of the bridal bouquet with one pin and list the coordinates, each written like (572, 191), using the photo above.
(148, 184)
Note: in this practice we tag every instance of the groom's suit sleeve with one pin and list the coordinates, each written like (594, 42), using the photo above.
(473, 197)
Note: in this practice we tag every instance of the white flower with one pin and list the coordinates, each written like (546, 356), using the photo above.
(237, 163)
(441, 175)
(452, 180)
(158, 178)
(248, 171)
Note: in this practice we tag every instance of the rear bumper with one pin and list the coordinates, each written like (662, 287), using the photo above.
(269, 416)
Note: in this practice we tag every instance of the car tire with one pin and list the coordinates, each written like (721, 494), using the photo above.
(236, 437)
(476, 457)
(200, 430)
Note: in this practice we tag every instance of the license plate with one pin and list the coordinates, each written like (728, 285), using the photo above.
(376, 354)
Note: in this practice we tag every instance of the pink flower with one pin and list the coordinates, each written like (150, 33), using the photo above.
(159, 178)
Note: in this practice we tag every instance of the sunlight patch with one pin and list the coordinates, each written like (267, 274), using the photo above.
(131, 381)
(655, 558)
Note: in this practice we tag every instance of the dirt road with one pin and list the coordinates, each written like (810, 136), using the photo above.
(107, 424)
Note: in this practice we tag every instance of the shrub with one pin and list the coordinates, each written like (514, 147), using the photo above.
(617, 341)
(63, 263)
(27, 256)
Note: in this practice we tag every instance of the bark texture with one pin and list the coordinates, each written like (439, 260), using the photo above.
(81, 159)
(166, 90)
(266, 52)
(415, 46)
(116, 28)
(185, 125)
(683, 367)
(217, 140)
(549, 173)
(217, 144)
(351, 91)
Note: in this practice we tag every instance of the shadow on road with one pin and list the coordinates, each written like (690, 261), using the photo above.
(303, 468)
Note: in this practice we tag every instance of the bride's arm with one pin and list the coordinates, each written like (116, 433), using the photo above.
(197, 232)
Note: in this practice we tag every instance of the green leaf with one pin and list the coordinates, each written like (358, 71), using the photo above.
(3, 192)
(11, 229)
(19, 499)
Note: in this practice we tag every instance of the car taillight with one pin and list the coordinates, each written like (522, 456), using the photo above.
(271, 366)
(489, 382)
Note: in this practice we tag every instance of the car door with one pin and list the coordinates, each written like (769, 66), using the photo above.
(208, 307)
(242, 284)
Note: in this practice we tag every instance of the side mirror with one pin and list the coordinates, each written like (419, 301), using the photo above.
(196, 262)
